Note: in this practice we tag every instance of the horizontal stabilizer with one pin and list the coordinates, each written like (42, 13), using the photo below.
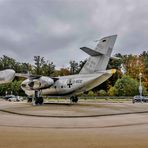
(91, 52)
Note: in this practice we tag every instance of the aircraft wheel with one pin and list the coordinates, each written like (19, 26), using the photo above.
(36, 101)
(39, 101)
(29, 99)
(74, 99)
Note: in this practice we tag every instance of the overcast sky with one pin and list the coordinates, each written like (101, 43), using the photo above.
(56, 29)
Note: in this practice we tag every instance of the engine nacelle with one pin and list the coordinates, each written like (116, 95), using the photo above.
(36, 84)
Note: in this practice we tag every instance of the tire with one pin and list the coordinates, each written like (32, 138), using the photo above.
(39, 100)
(36, 101)
(74, 99)
(29, 99)
(133, 101)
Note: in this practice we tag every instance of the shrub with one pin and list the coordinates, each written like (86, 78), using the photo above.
(91, 93)
(126, 86)
(112, 91)
(102, 92)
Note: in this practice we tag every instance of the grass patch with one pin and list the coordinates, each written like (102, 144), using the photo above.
(91, 99)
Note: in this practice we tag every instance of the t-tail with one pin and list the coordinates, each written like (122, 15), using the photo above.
(99, 57)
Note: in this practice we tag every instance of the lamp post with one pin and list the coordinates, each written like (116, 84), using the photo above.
(140, 85)
(6, 93)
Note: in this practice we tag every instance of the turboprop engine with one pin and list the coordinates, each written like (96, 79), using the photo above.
(37, 83)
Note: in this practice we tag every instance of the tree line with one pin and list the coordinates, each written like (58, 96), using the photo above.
(118, 84)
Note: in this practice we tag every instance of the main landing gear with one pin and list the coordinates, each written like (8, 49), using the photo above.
(73, 99)
(38, 99)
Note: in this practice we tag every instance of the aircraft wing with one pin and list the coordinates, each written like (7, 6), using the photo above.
(32, 77)
(22, 75)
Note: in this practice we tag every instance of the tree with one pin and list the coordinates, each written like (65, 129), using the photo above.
(126, 86)
(74, 67)
(61, 72)
(144, 58)
(39, 62)
(13, 87)
(81, 64)
(43, 67)
(115, 63)
(7, 62)
(23, 67)
(48, 68)
(136, 64)
(16, 88)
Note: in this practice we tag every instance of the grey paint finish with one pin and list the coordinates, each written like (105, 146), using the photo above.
(92, 74)
(99, 62)
(7, 76)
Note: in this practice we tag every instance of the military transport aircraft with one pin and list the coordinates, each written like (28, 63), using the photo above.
(6, 76)
(91, 75)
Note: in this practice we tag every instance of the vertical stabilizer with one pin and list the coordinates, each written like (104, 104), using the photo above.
(99, 57)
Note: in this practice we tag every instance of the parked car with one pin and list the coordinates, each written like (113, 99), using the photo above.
(13, 98)
(139, 99)
(8, 96)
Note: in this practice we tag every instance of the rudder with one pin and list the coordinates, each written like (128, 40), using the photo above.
(99, 57)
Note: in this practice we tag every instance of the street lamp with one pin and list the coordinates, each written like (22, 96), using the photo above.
(140, 85)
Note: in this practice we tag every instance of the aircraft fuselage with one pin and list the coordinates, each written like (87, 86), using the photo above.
(73, 84)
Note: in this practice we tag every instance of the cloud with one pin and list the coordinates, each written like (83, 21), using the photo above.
(57, 29)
